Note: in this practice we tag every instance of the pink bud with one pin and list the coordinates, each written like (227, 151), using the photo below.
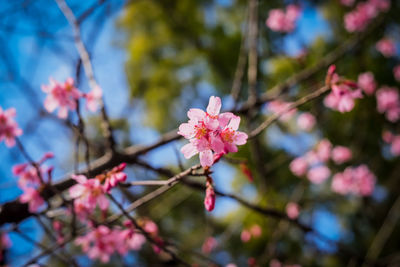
(209, 200)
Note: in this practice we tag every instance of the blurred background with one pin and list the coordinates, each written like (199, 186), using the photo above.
(156, 59)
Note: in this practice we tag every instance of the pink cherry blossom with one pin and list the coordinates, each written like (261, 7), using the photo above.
(366, 82)
(245, 236)
(319, 174)
(87, 193)
(342, 96)
(33, 198)
(211, 132)
(292, 210)
(298, 166)
(306, 121)
(341, 154)
(281, 21)
(93, 99)
(8, 127)
(278, 106)
(358, 19)
(132, 239)
(62, 96)
(356, 180)
(387, 47)
(230, 137)
(389, 102)
(27, 175)
(396, 73)
(100, 243)
(113, 178)
(209, 245)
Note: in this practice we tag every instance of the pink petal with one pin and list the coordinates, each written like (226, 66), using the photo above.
(224, 118)
(50, 104)
(186, 130)
(79, 178)
(234, 123)
(214, 105)
(240, 138)
(206, 158)
(196, 114)
(76, 191)
(217, 145)
(189, 150)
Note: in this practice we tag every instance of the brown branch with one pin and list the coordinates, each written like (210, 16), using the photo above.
(87, 65)
(147, 235)
(385, 231)
(253, 54)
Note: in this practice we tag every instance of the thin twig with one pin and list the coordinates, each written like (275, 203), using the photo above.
(294, 105)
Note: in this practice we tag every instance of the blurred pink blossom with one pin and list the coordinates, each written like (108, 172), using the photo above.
(298, 166)
(366, 82)
(280, 21)
(357, 180)
(278, 106)
(245, 236)
(387, 47)
(306, 121)
(292, 210)
(319, 174)
(8, 127)
(32, 197)
(209, 244)
(341, 154)
(62, 96)
(388, 102)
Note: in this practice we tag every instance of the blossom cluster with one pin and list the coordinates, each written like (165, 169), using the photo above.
(356, 180)
(102, 242)
(31, 181)
(90, 193)
(366, 81)
(283, 21)
(312, 163)
(64, 96)
(342, 96)
(358, 19)
(210, 133)
(8, 127)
